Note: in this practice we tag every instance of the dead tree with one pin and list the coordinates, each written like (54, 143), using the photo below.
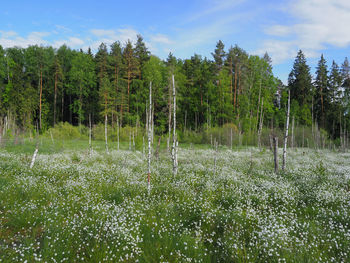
(118, 132)
(90, 145)
(174, 150)
(286, 135)
(215, 156)
(261, 123)
(36, 147)
(292, 132)
(275, 153)
(149, 137)
(106, 142)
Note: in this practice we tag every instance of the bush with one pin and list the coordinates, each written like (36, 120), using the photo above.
(66, 131)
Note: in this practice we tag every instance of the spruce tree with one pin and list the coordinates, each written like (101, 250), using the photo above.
(321, 97)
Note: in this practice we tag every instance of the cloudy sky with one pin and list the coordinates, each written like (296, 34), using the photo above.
(280, 27)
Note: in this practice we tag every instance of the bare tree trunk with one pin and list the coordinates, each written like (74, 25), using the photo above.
(293, 132)
(133, 141)
(40, 96)
(158, 147)
(143, 145)
(149, 137)
(215, 156)
(90, 135)
(260, 123)
(275, 153)
(174, 150)
(231, 139)
(129, 140)
(106, 142)
(118, 132)
(36, 147)
(286, 135)
(169, 119)
(54, 102)
(34, 156)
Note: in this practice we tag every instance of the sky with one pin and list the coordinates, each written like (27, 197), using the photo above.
(279, 27)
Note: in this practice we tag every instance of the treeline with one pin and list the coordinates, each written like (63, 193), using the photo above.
(42, 86)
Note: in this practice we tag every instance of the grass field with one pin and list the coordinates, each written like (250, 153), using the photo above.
(75, 208)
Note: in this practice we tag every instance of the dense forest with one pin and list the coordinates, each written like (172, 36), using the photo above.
(41, 86)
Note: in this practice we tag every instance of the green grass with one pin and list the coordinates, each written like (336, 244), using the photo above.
(78, 208)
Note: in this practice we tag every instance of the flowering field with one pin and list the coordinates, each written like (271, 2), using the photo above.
(75, 208)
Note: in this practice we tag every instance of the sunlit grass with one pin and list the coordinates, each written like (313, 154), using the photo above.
(72, 207)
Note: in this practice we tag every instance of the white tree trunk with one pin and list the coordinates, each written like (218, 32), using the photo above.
(275, 153)
(292, 132)
(149, 137)
(174, 148)
(261, 122)
(90, 146)
(34, 157)
(286, 135)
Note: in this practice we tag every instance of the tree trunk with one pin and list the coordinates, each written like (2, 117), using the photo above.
(260, 123)
(40, 96)
(292, 132)
(149, 137)
(174, 150)
(54, 102)
(90, 135)
(286, 135)
(106, 142)
(275, 153)
(118, 132)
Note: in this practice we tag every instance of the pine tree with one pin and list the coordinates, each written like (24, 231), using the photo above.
(131, 68)
(321, 91)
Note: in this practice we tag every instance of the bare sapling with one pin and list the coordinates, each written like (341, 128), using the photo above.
(36, 148)
(215, 155)
(133, 141)
(158, 148)
(261, 122)
(106, 135)
(275, 153)
(174, 149)
(143, 145)
(292, 142)
(286, 135)
(149, 137)
(118, 132)
(90, 135)
(231, 139)
(129, 140)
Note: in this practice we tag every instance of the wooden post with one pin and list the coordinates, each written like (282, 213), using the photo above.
(286, 135)
(275, 153)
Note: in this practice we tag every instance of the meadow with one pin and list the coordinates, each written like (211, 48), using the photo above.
(73, 207)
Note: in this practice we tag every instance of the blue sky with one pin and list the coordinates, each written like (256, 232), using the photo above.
(280, 27)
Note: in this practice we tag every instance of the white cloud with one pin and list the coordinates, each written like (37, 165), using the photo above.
(159, 38)
(11, 39)
(320, 23)
(214, 6)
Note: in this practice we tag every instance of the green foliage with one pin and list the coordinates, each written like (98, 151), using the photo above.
(65, 131)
